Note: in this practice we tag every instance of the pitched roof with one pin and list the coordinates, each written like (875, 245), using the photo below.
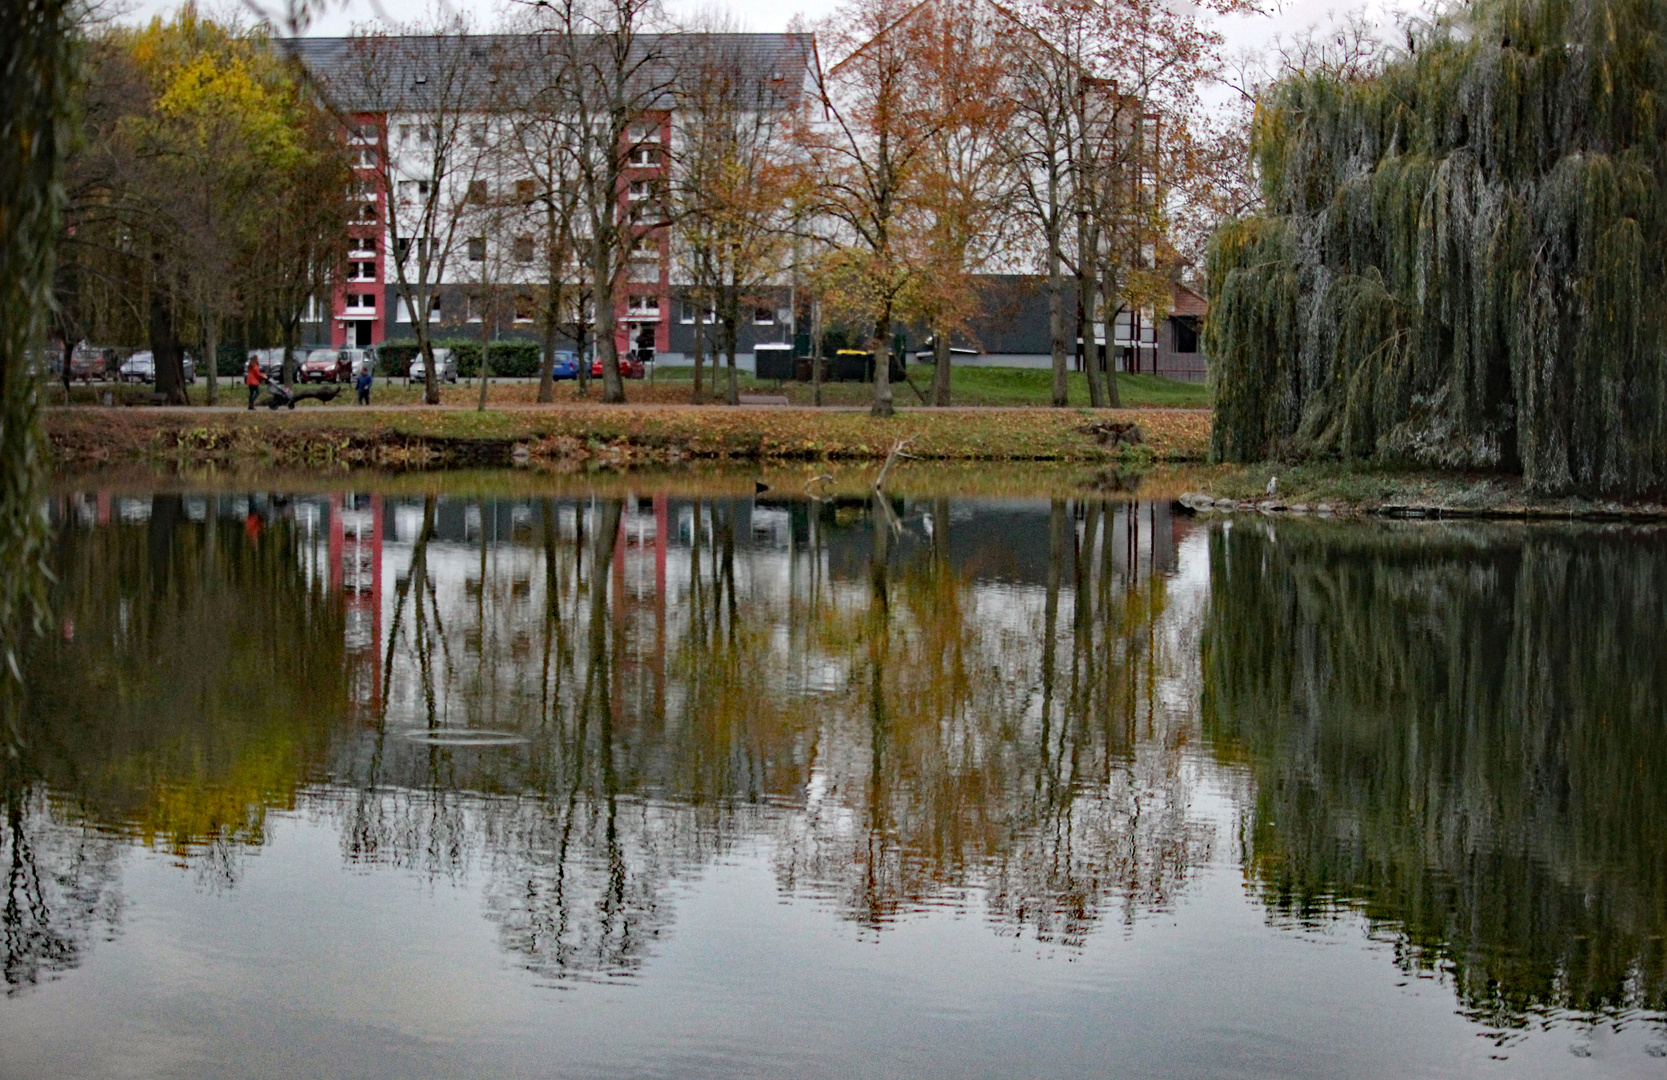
(1186, 302)
(490, 64)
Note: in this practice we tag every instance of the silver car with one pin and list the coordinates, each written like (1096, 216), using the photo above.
(445, 367)
(141, 367)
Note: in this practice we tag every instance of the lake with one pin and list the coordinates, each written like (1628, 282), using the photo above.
(391, 783)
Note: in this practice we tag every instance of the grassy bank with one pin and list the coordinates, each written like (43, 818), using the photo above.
(613, 435)
(675, 386)
(1333, 487)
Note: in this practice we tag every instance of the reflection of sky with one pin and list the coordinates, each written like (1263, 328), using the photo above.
(313, 968)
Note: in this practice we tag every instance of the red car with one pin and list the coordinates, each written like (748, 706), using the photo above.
(629, 368)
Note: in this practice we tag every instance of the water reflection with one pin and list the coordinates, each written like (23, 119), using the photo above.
(193, 679)
(1456, 730)
(1051, 716)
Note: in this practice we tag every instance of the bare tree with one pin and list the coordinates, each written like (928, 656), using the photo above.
(432, 82)
(614, 89)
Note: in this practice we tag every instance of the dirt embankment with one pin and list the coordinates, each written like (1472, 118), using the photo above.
(419, 437)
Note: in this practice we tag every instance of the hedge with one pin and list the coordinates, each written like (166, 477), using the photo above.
(511, 359)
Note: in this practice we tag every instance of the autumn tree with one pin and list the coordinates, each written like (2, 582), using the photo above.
(864, 151)
(732, 185)
(966, 179)
(1107, 94)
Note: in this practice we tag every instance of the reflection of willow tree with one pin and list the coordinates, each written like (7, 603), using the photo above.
(192, 689)
(963, 752)
(1458, 732)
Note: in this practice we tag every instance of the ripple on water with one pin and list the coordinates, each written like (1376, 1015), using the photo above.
(463, 737)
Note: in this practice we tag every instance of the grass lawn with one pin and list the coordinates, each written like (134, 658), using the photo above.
(968, 386)
(976, 386)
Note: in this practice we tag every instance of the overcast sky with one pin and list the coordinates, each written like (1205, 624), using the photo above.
(1252, 32)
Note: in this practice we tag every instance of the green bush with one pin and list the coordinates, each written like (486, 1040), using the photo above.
(510, 359)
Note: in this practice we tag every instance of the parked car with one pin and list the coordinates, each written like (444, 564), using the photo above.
(89, 362)
(361, 360)
(565, 367)
(325, 365)
(629, 368)
(141, 367)
(445, 367)
(272, 361)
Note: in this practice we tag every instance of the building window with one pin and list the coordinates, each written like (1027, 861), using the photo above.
(764, 316)
(477, 191)
(367, 212)
(361, 271)
(644, 305)
(524, 248)
(687, 315)
(412, 189)
(364, 158)
(1186, 335)
(361, 245)
(525, 191)
(645, 157)
(477, 249)
(477, 136)
(645, 133)
(363, 133)
(524, 308)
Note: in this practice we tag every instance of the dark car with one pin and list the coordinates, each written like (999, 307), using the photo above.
(629, 368)
(565, 367)
(89, 362)
(326, 365)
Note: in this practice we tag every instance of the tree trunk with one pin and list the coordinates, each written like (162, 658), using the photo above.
(1056, 298)
(1086, 305)
(485, 373)
(882, 366)
(546, 378)
(731, 333)
(816, 353)
(607, 348)
(699, 394)
(941, 356)
(286, 370)
(164, 344)
(211, 354)
(1108, 289)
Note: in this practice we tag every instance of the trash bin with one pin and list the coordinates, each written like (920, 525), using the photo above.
(773, 362)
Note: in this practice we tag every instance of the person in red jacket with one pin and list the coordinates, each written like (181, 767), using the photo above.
(252, 378)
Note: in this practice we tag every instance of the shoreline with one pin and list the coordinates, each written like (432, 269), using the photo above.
(1042, 451)
(614, 435)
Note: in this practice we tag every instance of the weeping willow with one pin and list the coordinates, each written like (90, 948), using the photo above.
(1463, 261)
(34, 95)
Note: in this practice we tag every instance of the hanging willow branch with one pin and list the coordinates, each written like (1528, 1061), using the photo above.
(1463, 262)
(34, 93)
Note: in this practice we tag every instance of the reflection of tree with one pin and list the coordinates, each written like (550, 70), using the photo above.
(963, 754)
(192, 687)
(1456, 730)
(904, 730)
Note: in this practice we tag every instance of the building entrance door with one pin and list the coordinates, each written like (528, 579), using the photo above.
(361, 334)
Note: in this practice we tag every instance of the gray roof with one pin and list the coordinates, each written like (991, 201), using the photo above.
(397, 73)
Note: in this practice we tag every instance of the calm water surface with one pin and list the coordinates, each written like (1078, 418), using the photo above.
(364, 785)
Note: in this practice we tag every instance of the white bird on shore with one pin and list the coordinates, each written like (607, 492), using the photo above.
(1273, 485)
